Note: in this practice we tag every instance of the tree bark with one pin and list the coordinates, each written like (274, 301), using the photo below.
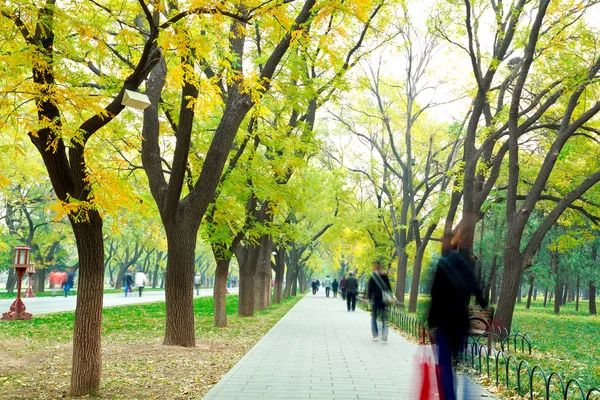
(220, 291)
(279, 272)
(179, 283)
(577, 290)
(247, 259)
(263, 276)
(511, 279)
(87, 333)
(519, 295)
(592, 291)
(565, 294)
(530, 293)
(557, 286)
(545, 296)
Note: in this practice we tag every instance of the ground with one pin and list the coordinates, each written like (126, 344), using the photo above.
(36, 365)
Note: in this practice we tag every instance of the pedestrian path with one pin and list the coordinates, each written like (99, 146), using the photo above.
(46, 305)
(319, 350)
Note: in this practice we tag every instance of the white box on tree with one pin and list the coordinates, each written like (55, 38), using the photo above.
(135, 100)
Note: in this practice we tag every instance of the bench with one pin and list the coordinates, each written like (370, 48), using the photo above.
(480, 321)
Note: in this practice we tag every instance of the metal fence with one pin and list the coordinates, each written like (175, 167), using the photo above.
(498, 364)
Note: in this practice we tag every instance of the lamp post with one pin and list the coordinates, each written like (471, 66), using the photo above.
(20, 264)
(30, 272)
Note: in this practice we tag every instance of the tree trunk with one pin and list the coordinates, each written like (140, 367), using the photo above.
(295, 283)
(545, 296)
(519, 295)
(511, 279)
(12, 279)
(263, 276)
(535, 293)
(402, 265)
(179, 284)
(247, 260)
(87, 332)
(279, 272)
(416, 279)
(565, 294)
(39, 280)
(289, 278)
(494, 284)
(592, 291)
(301, 278)
(530, 293)
(557, 286)
(220, 292)
(577, 290)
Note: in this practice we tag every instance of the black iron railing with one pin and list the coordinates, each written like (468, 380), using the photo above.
(501, 367)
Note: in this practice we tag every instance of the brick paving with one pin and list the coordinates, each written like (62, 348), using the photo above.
(319, 350)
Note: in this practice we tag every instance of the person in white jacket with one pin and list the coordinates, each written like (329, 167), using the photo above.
(140, 281)
(327, 285)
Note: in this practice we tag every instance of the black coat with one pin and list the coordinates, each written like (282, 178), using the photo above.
(453, 284)
(375, 293)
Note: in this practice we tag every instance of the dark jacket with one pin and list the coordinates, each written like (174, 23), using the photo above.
(453, 284)
(374, 291)
(351, 285)
(335, 285)
(128, 279)
(343, 284)
(71, 278)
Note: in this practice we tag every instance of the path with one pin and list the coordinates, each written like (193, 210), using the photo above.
(45, 305)
(321, 351)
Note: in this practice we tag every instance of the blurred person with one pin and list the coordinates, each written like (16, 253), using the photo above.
(453, 284)
(343, 287)
(56, 279)
(351, 291)
(127, 281)
(378, 283)
(197, 282)
(314, 286)
(334, 287)
(140, 281)
(69, 281)
(327, 285)
(318, 284)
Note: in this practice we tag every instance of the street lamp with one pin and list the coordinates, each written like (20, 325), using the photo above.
(30, 272)
(20, 264)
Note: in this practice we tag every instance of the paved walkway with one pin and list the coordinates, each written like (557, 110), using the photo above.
(321, 351)
(46, 305)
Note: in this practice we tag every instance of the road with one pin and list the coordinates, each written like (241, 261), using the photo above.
(46, 305)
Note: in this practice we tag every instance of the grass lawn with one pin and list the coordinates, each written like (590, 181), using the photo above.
(566, 343)
(36, 355)
(48, 292)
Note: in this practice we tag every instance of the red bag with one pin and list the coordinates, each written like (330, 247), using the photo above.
(426, 370)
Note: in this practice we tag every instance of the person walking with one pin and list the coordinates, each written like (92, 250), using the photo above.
(197, 282)
(343, 287)
(56, 279)
(69, 281)
(127, 281)
(379, 283)
(334, 287)
(327, 284)
(453, 284)
(351, 291)
(318, 284)
(140, 281)
(314, 286)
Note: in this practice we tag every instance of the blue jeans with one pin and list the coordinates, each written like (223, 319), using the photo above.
(445, 373)
(379, 309)
(127, 288)
(67, 288)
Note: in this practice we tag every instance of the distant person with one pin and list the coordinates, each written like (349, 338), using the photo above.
(327, 285)
(56, 279)
(314, 286)
(127, 282)
(379, 283)
(453, 284)
(197, 282)
(140, 281)
(69, 281)
(334, 287)
(318, 284)
(351, 291)
(343, 287)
